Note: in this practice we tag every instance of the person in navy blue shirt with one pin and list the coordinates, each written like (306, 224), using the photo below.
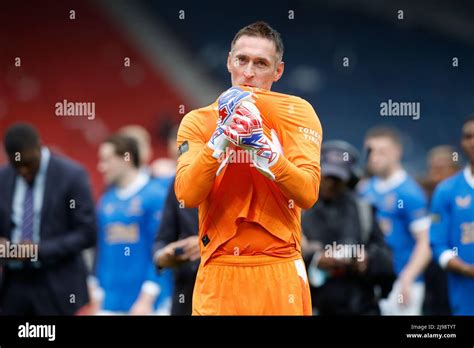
(403, 217)
(452, 228)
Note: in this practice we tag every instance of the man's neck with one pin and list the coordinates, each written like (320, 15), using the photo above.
(391, 171)
(127, 178)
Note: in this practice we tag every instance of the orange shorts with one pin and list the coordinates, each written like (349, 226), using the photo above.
(252, 285)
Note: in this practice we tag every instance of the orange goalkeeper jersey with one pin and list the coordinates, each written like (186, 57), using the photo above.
(241, 206)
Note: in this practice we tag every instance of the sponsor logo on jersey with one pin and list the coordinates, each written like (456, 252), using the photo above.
(463, 202)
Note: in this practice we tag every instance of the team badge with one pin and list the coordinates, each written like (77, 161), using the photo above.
(135, 207)
(389, 201)
(184, 147)
(109, 209)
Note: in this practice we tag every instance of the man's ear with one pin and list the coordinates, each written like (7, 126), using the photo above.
(38, 147)
(279, 71)
(399, 151)
(229, 61)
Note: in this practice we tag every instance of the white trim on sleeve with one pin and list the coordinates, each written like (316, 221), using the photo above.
(151, 288)
(445, 257)
(419, 225)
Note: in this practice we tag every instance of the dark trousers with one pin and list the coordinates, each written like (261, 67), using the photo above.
(27, 292)
(436, 294)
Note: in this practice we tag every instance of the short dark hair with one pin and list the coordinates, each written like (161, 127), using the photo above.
(20, 137)
(262, 29)
(125, 145)
(469, 118)
(386, 132)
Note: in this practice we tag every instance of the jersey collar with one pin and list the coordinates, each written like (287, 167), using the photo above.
(393, 181)
(468, 176)
(127, 192)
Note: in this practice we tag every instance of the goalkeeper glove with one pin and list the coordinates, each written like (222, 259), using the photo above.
(246, 131)
(228, 103)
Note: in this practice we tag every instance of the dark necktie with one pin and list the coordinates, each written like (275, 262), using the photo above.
(27, 226)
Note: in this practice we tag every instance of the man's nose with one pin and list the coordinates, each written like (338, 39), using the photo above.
(249, 73)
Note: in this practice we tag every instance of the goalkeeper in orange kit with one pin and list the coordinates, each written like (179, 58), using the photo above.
(250, 208)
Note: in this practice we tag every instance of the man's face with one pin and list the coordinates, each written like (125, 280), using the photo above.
(27, 163)
(467, 140)
(331, 187)
(441, 167)
(110, 165)
(254, 62)
(384, 155)
(143, 142)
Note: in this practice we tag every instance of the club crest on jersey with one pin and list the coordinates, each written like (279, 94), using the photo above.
(135, 207)
(184, 147)
(109, 209)
(463, 202)
(389, 201)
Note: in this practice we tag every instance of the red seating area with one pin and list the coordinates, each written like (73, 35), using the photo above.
(80, 60)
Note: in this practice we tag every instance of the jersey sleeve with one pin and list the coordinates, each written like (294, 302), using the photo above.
(153, 214)
(415, 211)
(298, 172)
(101, 225)
(439, 230)
(169, 226)
(197, 168)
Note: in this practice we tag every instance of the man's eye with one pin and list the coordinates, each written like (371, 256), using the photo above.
(261, 63)
(241, 60)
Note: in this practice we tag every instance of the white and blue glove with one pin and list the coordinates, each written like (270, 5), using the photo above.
(246, 132)
(228, 102)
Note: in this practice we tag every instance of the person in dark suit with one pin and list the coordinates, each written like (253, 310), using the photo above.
(177, 246)
(46, 204)
(347, 257)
